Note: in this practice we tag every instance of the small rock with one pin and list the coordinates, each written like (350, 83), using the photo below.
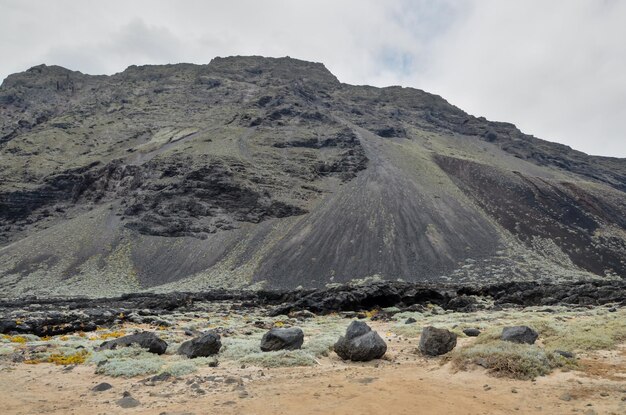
(513, 390)
(304, 314)
(565, 354)
(612, 310)
(128, 401)
(410, 320)
(161, 377)
(101, 387)
(565, 397)
(519, 334)
(471, 332)
(282, 339)
(435, 342)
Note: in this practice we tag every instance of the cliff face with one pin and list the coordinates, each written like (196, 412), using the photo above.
(254, 171)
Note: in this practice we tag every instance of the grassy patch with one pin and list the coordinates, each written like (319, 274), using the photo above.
(126, 362)
(519, 361)
(282, 358)
(601, 332)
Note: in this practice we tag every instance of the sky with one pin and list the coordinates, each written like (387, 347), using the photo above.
(556, 69)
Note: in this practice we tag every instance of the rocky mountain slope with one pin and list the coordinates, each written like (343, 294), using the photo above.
(261, 172)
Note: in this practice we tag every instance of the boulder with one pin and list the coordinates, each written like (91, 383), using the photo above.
(435, 342)
(146, 340)
(519, 334)
(282, 339)
(360, 344)
(471, 332)
(206, 345)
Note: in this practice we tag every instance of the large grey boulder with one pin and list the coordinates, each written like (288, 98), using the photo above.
(360, 344)
(519, 334)
(282, 339)
(435, 342)
(146, 340)
(206, 345)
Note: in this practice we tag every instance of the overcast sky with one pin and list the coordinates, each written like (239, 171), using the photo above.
(557, 69)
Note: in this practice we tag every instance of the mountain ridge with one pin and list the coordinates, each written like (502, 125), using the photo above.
(251, 171)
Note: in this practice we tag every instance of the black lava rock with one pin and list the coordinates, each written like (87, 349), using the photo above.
(360, 344)
(471, 332)
(282, 339)
(435, 342)
(205, 345)
(146, 340)
(101, 387)
(519, 334)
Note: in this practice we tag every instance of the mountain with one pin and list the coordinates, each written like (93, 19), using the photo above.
(262, 172)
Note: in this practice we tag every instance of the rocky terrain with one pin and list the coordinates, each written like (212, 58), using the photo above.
(517, 347)
(253, 172)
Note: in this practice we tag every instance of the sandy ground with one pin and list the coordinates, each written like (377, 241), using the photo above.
(402, 383)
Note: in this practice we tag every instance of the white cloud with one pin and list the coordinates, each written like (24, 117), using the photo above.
(557, 69)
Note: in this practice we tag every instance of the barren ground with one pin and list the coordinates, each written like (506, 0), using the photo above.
(403, 382)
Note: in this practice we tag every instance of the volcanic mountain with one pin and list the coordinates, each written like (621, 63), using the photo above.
(263, 172)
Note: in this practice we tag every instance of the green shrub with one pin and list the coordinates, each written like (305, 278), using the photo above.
(126, 362)
(281, 358)
(237, 348)
(519, 361)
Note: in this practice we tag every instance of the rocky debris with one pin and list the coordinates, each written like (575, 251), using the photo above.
(519, 334)
(435, 342)
(463, 303)
(282, 339)
(536, 293)
(471, 332)
(360, 343)
(362, 297)
(127, 401)
(101, 387)
(146, 340)
(207, 345)
(53, 316)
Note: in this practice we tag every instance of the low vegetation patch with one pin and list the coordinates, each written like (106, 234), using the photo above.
(60, 358)
(587, 333)
(519, 361)
(126, 362)
(281, 358)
